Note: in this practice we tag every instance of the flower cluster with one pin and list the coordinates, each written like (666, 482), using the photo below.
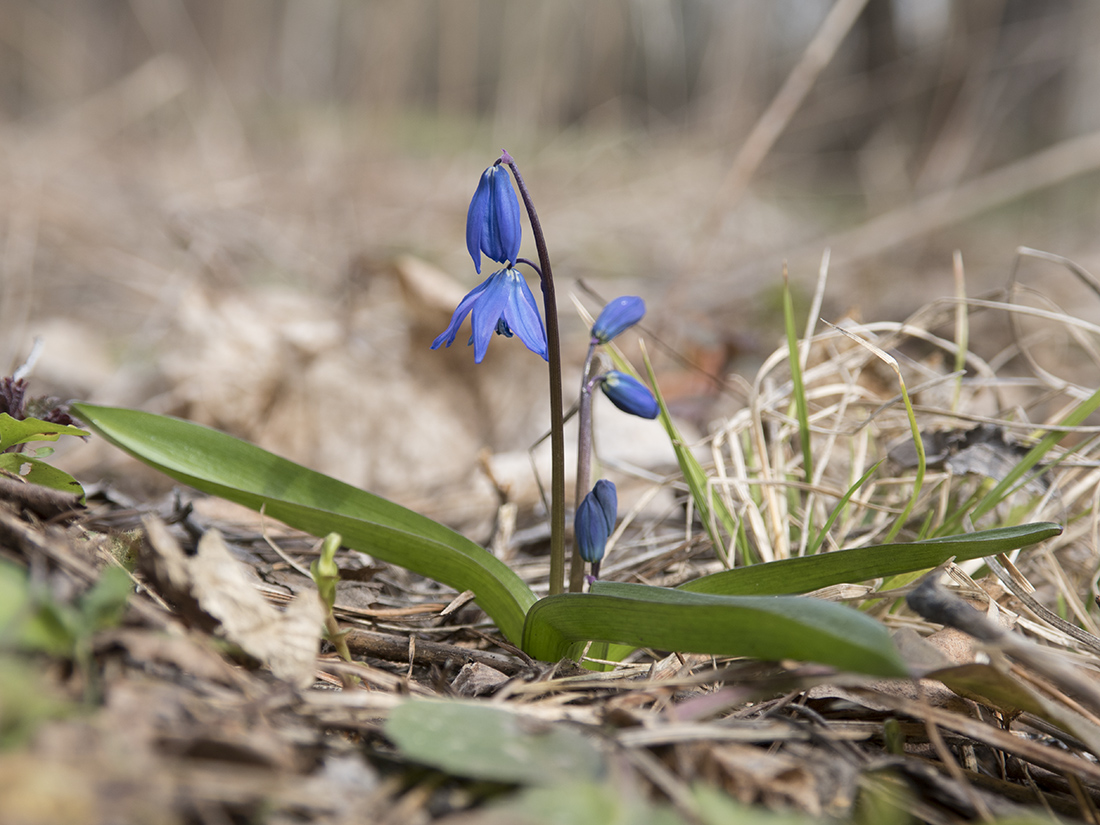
(503, 302)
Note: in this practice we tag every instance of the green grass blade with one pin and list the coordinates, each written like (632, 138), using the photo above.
(708, 503)
(806, 573)
(918, 480)
(798, 390)
(762, 627)
(1028, 462)
(835, 514)
(710, 506)
(221, 465)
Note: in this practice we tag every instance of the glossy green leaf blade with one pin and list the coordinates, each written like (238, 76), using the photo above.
(801, 575)
(762, 627)
(225, 466)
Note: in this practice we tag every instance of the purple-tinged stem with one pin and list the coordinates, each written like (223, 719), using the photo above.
(584, 462)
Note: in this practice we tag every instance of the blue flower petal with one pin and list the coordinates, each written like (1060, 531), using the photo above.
(608, 498)
(629, 395)
(505, 232)
(476, 217)
(493, 219)
(447, 337)
(617, 316)
(488, 309)
(522, 315)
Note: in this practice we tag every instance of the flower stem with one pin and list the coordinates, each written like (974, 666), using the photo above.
(584, 463)
(557, 416)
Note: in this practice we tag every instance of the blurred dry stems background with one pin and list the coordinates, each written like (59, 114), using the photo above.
(251, 213)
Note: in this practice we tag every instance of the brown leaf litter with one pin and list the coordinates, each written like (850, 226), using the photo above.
(191, 726)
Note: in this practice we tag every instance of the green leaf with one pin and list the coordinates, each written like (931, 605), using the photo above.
(21, 430)
(103, 606)
(610, 803)
(39, 472)
(27, 699)
(718, 808)
(762, 627)
(479, 741)
(801, 575)
(224, 466)
(32, 621)
(14, 600)
(582, 803)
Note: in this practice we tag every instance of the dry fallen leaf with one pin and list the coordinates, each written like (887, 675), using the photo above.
(217, 585)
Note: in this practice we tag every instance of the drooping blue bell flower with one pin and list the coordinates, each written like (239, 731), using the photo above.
(492, 224)
(618, 316)
(595, 522)
(503, 304)
(629, 394)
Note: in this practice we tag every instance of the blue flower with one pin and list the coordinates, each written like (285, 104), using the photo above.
(492, 224)
(595, 522)
(503, 304)
(629, 394)
(618, 316)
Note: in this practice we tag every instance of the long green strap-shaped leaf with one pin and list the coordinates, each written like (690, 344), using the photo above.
(762, 627)
(225, 466)
(806, 573)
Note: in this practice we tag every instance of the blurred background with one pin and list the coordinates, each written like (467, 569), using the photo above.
(251, 213)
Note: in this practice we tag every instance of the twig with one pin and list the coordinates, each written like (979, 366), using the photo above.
(936, 604)
(44, 502)
(394, 648)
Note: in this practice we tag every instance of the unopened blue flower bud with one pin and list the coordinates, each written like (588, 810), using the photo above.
(595, 521)
(618, 316)
(629, 394)
(493, 223)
